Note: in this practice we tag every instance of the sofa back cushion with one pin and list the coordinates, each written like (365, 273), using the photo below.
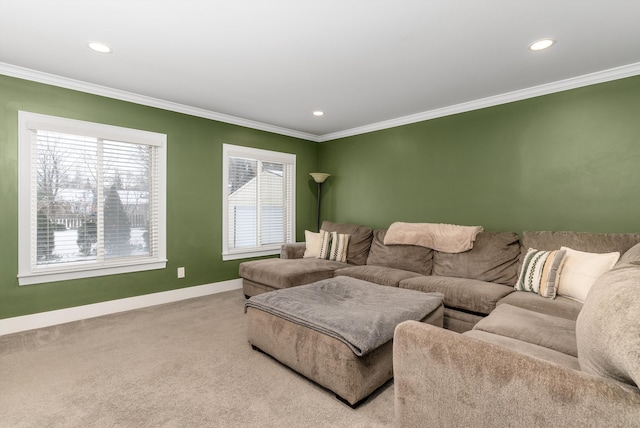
(405, 257)
(608, 326)
(493, 258)
(359, 240)
(581, 241)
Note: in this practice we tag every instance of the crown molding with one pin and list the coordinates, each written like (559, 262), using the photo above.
(78, 85)
(522, 94)
(535, 91)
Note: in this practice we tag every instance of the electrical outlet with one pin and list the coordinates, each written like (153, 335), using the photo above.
(181, 272)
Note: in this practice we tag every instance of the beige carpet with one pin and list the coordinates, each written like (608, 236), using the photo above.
(184, 364)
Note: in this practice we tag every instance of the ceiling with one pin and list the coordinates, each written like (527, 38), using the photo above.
(367, 64)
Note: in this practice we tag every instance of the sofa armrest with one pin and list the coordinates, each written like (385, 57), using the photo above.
(292, 251)
(446, 379)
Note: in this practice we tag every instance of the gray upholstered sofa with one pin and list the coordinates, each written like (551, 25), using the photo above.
(522, 360)
(533, 362)
(473, 282)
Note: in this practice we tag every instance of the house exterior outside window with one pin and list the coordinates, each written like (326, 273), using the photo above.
(258, 201)
(91, 199)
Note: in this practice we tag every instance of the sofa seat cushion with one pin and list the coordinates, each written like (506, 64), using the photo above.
(359, 240)
(562, 307)
(466, 294)
(544, 330)
(285, 273)
(404, 257)
(377, 274)
(493, 258)
(527, 348)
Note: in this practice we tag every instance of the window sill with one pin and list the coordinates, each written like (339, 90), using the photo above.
(43, 277)
(250, 254)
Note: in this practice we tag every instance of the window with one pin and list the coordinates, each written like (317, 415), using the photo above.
(258, 201)
(91, 199)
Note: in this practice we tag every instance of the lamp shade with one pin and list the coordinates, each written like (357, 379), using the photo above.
(319, 177)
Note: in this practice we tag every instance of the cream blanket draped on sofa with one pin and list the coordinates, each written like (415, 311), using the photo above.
(447, 238)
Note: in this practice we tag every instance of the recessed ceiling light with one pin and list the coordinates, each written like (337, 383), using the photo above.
(99, 47)
(318, 113)
(541, 44)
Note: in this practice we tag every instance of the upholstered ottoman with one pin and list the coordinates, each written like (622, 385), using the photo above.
(338, 332)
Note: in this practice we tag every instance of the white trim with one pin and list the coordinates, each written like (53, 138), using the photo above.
(77, 313)
(90, 88)
(64, 273)
(229, 150)
(28, 272)
(509, 97)
(616, 73)
(250, 254)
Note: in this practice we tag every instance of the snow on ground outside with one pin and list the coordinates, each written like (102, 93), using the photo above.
(66, 250)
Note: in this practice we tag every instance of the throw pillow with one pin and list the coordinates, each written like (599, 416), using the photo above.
(313, 242)
(333, 246)
(581, 270)
(359, 240)
(540, 271)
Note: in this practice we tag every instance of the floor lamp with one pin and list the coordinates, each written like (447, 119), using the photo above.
(319, 178)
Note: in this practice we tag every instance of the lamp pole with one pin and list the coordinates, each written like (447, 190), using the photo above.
(319, 178)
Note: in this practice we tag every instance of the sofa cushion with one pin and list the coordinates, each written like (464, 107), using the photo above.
(558, 307)
(632, 256)
(359, 242)
(544, 330)
(493, 258)
(526, 348)
(581, 241)
(608, 327)
(405, 257)
(581, 270)
(461, 293)
(540, 272)
(285, 273)
(376, 274)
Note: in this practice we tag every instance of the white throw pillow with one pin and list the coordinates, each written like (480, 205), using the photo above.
(313, 244)
(581, 270)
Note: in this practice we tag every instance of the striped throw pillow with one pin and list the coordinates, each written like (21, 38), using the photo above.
(540, 272)
(333, 246)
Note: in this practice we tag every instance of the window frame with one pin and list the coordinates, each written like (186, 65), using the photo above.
(29, 272)
(229, 150)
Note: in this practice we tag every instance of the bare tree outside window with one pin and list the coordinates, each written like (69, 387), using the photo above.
(85, 184)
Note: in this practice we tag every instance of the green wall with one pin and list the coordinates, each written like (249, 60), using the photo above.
(565, 161)
(194, 195)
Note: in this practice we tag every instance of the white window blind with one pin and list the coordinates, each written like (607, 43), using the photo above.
(91, 199)
(258, 201)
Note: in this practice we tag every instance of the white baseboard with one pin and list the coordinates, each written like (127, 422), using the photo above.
(61, 316)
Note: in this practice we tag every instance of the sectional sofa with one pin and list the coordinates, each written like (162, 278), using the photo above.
(523, 359)
(473, 282)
